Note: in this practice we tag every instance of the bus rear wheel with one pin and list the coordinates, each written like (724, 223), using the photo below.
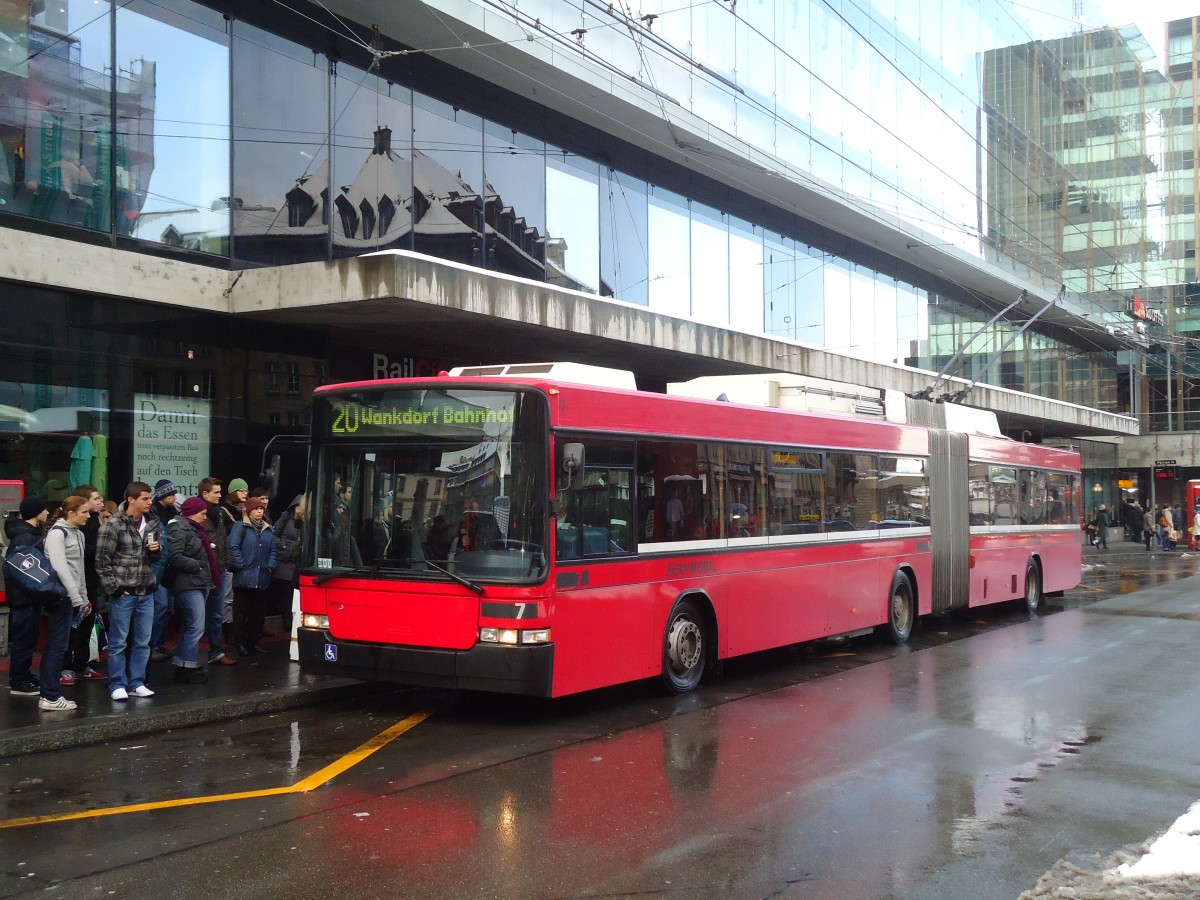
(902, 610)
(685, 645)
(1033, 587)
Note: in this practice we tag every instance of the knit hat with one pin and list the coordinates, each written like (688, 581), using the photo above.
(256, 503)
(32, 507)
(192, 505)
(164, 489)
(238, 484)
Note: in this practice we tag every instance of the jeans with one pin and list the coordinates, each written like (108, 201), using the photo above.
(162, 615)
(191, 627)
(58, 630)
(130, 619)
(214, 616)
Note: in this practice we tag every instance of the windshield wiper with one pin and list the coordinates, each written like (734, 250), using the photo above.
(357, 570)
(454, 576)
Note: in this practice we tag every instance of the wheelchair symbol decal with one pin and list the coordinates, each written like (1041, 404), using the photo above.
(331, 653)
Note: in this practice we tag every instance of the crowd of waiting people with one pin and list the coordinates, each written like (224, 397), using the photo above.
(213, 563)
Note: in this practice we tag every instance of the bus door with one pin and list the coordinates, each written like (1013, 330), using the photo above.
(949, 514)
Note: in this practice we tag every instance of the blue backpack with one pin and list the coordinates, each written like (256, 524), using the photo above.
(28, 568)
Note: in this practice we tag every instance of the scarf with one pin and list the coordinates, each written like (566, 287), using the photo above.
(206, 542)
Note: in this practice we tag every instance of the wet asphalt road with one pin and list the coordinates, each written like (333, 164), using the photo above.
(964, 765)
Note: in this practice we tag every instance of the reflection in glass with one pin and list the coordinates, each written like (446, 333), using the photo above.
(372, 164)
(710, 273)
(745, 278)
(55, 133)
(624, 238)
(173, 140)
(447, 181)
(572, 222)
(458, 479)
(515, 201)
(280, 156)
(670, 254)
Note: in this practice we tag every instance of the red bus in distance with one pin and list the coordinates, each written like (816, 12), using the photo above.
(522, 532)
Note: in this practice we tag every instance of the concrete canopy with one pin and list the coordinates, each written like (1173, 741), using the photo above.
(467, 313)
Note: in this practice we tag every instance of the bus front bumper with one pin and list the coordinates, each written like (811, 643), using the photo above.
(484, 667)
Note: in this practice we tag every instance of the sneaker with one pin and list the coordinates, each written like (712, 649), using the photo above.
(225, 660)
(91, 674)
(142, 691)
(159, 655)
(62, 703)
(120, 694)
(26, 689)
(67, 677)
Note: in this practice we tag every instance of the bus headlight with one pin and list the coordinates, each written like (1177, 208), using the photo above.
(512, 636)
(311, 621)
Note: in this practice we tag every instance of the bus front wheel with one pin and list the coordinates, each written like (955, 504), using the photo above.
(902, 610)
(684, 648)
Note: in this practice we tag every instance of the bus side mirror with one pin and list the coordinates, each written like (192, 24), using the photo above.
(572, 465)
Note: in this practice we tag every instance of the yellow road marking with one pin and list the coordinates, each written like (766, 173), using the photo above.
(331, 771)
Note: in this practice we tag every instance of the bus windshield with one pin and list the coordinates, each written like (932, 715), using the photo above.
(421, 483)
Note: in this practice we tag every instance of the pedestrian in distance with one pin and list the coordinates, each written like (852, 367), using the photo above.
(1101, 522)
(163, 510)
(253, 557)
(81, 661)
(128, 546)
(65, 548)
(193, 572)
(25, 619)
(1148, 526)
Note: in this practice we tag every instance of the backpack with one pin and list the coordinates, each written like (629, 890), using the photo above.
(28, 568)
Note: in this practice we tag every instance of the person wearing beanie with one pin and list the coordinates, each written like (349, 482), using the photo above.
(25, 609)
(253, 557)
(163, 511)
(193, 573)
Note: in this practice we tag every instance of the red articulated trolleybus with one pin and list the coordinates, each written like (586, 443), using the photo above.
(514, 529)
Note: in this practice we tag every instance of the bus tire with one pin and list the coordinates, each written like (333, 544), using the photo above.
(902, 609)
(1033, 587)
(685, 647)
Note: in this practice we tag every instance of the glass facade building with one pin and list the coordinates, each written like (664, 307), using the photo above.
(873, 178)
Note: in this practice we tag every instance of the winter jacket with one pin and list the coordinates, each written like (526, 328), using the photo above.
(163, 515)
(218, 532)
(18, 533)
(188, 568)
(65, 550)
(288, 532)
(123, 561)
(252, 555)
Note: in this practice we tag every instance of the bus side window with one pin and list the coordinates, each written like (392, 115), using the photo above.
(596, 511)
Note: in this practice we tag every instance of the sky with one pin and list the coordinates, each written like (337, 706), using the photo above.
(1150, 16)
